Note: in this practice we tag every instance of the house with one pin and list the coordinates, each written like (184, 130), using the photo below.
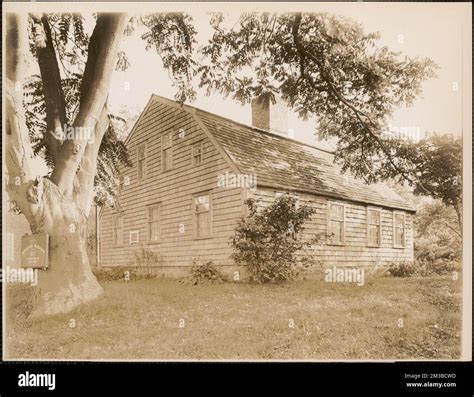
(193, 170)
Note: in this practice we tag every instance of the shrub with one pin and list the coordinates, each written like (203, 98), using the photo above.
(437, 233)
(267, 241)
(437, 267)
(143, 262)
(141, 266)
(402, 269)
(204, 273)
(423, 268)
(145, 257)
(115, 273)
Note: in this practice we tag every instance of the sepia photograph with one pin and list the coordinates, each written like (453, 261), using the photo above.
(236, 182)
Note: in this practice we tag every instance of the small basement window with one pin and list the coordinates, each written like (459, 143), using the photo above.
(336, 223)
(134, 237)
(398, 229)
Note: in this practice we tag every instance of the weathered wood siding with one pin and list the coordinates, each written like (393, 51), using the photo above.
(355, 251)
(174, 189)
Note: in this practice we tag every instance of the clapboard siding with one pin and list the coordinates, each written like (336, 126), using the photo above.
(174, 191)
(229, 147)
(355, 250)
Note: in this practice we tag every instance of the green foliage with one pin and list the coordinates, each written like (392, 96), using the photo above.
(402, 269)
(117, 273)
(173, 37)
(268, 241)
(323, 66)
(112, 152)
(145, 257)
(437, 233)
(433, 167)
(172, 34)
(204, 273)
(141, 266)
(424, 268)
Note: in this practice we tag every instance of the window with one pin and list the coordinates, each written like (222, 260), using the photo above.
(197, 154)
(118, 230)
(141, 161)
(134, 237)
(166, 153)
(399, 229)
(336, 223)
(202, 215)
(153, 222)
(373, 227)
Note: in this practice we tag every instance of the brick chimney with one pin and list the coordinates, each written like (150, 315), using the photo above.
(268, 116)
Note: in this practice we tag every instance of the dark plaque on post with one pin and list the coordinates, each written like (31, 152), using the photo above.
(34, 251)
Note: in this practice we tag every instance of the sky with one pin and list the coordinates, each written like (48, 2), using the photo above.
(432, 30)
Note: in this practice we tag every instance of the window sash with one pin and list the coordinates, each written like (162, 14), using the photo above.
(374, 229)
(167, 140)
(374, 235)
(202, 215)
(118, 230)
(336, 212)
(141, 167)
(203, 224)
(197, 153)
(167, 159)
(202, 204)
(399, 230)
(141, 156)
(336, 224)
(336, 231)
(153, 220)
(141, 152)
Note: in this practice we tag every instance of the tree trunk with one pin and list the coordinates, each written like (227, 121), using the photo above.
(59, 206)
(68, 281)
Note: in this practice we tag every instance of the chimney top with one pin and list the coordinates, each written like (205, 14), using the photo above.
(268, 116)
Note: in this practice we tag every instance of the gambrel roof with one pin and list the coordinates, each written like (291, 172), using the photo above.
(286, 164)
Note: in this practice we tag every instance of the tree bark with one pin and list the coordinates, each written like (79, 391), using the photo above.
(51, 78)
(68, 282)
(52, 205)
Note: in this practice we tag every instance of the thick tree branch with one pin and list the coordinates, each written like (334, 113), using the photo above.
(88, 169)
(53, 94)
(100, 64)
(360, 115)
(23, 187)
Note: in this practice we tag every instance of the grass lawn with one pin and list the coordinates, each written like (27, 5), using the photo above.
(142, 319)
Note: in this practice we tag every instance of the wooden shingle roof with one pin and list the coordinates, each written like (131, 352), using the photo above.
(286, 164)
